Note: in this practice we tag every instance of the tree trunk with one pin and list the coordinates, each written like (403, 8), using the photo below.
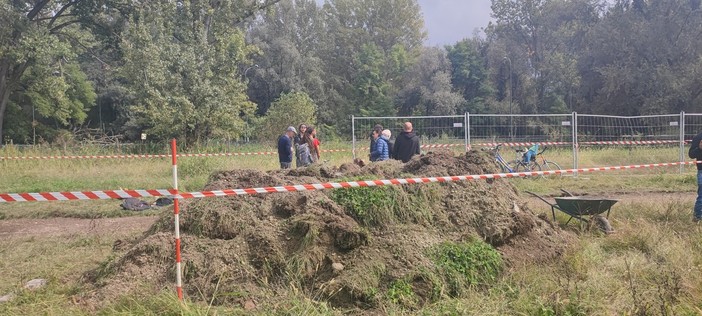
(4, 92)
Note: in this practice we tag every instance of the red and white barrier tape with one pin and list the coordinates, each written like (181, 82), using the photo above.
(526, 144)
(116, 194)
(369, 183)
(83, 195)
(623, 142)
(631, 142)
(155, 156)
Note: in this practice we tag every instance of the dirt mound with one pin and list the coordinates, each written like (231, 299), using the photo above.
(347, 247)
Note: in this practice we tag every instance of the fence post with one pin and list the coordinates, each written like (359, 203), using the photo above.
(353, 136)
(176, 216)
(682, 141)
(574, 126)
(466, 131)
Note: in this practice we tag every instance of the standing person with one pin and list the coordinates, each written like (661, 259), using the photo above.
(285, 148)
(391, 144)
(381, 150)
(406, 144)
(304, 158)
(313, 143)
(372, 140)
(696, 152)
(298, 141)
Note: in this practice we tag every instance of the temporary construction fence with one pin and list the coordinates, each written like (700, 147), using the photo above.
(572, 132)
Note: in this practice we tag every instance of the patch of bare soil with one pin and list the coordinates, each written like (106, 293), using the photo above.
(60, 227)
(260, 247)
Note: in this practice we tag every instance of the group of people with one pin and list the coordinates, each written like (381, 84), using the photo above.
(403, 148)
(304, 145)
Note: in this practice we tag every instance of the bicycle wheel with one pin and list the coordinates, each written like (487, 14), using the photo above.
(549, 166)
(528, 167)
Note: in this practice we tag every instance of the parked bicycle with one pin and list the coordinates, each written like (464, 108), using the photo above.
(516, 165)
(539, 161)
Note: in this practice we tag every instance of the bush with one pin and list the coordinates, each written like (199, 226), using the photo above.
(290, 109)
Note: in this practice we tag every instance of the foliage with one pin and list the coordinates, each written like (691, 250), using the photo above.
(39, 67)
(400, 292)
(370, 206)
(291, 109)
(186, 83)
(473, 263)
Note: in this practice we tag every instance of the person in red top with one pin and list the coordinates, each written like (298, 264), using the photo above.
(311, 134)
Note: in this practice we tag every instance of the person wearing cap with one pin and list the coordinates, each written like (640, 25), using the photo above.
(285, 148)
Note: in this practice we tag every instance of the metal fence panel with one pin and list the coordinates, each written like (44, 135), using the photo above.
(448, 130)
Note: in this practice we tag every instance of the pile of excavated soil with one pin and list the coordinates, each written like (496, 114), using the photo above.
(259, 248)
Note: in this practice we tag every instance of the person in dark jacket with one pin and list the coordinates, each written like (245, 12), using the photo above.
(696, 152)
(406, 144)
(285, 148)
(381, 151)
(372, 140)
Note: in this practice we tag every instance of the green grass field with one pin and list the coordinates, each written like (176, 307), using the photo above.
(652, 265)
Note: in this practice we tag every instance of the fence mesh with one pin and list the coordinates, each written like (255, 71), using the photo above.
(594, 128)
(432, 130)
(486, 129)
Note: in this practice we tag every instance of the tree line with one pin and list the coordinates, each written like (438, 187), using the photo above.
(238, 69)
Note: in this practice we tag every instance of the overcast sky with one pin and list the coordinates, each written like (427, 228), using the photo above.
(449, 21)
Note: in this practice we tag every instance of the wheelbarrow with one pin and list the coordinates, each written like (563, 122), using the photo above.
(581, 207)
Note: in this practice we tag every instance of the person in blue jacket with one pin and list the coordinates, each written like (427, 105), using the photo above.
(381, 149)
(285, 148)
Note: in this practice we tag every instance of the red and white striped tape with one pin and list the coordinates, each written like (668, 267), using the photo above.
(154, 156)
(83, 195)
(623, 142)
(369, 183)
(631, 142)
(525, 144)
(116, 194)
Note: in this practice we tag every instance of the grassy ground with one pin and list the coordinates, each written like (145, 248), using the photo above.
(652, 265)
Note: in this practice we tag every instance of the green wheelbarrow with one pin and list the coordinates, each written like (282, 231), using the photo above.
(582, 207)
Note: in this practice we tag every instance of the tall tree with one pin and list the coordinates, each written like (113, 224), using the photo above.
(392, 29)
(38, 43)
(469, 73)
(643, 58)
(183, 60)
(290, 35)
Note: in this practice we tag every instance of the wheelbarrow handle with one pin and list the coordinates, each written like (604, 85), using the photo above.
(540, 198)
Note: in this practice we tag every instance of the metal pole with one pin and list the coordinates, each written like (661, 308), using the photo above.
(574, 124)
(511, 126)
(466, 130)
(353, 136)
(682, 140)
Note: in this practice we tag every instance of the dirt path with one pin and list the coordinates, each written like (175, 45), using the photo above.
(59, 227)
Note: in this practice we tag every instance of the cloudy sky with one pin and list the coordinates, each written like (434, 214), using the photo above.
(449, 21)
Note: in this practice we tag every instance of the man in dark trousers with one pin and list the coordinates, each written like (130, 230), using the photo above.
(285, 148)
(406, 144)
(696, 153)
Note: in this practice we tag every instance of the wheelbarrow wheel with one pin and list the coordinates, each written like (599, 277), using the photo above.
(603, 224)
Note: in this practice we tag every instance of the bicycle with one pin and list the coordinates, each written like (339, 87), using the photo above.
(517, 165)
(538, 161)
